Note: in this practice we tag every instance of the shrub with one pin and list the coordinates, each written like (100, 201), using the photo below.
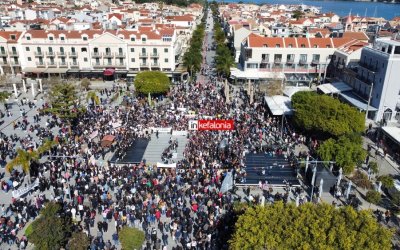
(131, 238)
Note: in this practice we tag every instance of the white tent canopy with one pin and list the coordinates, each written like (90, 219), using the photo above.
(393, 132)
(279, 105)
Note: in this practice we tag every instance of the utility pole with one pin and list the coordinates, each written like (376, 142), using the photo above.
(369, 100)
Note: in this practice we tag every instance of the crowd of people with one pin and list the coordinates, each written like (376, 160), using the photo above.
(176, 208)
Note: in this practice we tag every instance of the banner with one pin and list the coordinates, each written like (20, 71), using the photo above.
(20, 192)
(227, 184)
(176, 132)
(162, 130)
(162, 165)
(93, 134)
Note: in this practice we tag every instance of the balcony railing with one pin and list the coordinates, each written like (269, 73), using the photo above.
(154, 55)
(51, 64)
(369, 67)
(144, 64)
(74, 64)
(15, 63)
(290, 60)
(277, 60)
(265, 60)
(303, 61)
(120, 65)
(73, 54)
(143, 54)
(3, 53)
(315, 61)
(108, 54)
(61, 54)
(50, 53)
(40, 64)
(96, 54)
(155, 64)
(120, 54)
(38, 53)
(3, 62)
(364, 79)
(63, 64)
(13, 53)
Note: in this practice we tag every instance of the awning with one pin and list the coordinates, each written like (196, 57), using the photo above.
(33, 70)
(109, 72)
(279, 105)
(356, 101)
(334, 88)
(130, 75)
(393, 132)
(56, 70)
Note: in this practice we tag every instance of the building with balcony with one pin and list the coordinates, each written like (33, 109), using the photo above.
(275, 57)
(80, 52)
(377, 79)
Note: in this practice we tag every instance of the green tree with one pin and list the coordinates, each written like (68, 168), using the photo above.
(346, 151)
(4, 96)
(93, 97)
(85, 83)
(373, 166)
(79, 241)
(325, 116)
(131, 238)
(373, 196)
(23, 159)
(153, 82)
(309, 226)
(224, 60)
(63, 100)
(50, 230)
(297, 14)
(46, 146)
(192, 62)
(387, 181)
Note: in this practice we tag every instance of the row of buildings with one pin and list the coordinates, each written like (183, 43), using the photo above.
(127, 38)
(360, 53)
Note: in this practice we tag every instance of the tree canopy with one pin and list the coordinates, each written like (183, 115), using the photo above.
(325, 115)
(224, 59)
(63, 100)
(131, 238)
(50, 230)
(346, 151)
(153, 82)
(193, 57)
(309, 226)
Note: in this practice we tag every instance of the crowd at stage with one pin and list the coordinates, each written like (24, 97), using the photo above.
(176, 208)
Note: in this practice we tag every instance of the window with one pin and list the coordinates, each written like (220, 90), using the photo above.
(154, 51)
(133, 60)
(62, 38)
(73, 50)
(328, 46)
(62, 50)
(51, 38)
(252, 66)
(27, 49)
(303, 58)
(85, 38)
(28, 38)
(144, 39)
(133, 39)
(303, 45)
(143, 51)
(315, 46)
(166, 60)
(85, 59)
(290, 46)
(165, 50)
(132, 49)
(12, 37)
(83, 50)
(277, 45)
(265, 45)
(29, 59)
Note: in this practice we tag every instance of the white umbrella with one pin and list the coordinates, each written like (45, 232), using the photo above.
(297, 200)
(379, 187)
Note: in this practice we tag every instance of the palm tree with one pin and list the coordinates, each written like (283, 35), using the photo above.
(23, 159)
(91, 95)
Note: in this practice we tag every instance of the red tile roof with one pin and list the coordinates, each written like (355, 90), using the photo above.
(7, 35)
